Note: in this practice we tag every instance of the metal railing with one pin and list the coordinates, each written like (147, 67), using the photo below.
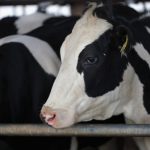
(77, 130)
(29, 2)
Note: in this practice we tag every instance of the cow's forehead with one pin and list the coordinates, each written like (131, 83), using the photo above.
(86, 30)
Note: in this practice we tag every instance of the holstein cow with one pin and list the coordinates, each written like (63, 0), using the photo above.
(104, 72)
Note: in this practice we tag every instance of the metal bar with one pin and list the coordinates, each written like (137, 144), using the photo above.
(21, 2)
(78, 130)
(30, 2)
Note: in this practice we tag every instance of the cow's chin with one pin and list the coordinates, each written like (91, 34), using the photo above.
(61, 125)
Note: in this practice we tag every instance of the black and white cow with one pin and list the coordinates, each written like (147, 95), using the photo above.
(105, 71)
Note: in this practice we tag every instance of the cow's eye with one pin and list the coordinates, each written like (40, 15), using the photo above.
(91, 60)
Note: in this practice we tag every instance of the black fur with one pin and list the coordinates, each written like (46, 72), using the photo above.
(24, 85)
(7, 26)
(106, 74)
(119, 11)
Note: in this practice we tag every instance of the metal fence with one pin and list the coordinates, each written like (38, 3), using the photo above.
(77, 130)
(28, 2)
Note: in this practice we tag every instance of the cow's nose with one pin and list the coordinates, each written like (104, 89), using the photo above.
(58, 118)
(48, 115)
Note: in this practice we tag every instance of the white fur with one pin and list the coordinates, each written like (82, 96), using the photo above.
(40, 50)
(148, 29)
(28, 23)
(135, 101)
(143, 54)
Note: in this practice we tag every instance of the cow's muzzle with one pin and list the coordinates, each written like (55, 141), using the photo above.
(57, 118)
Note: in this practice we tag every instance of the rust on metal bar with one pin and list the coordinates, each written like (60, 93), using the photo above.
(78, 130)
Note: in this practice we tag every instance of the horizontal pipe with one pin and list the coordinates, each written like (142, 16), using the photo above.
(78, 130)
(30, 2)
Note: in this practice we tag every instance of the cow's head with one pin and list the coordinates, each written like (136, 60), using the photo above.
(92, 71)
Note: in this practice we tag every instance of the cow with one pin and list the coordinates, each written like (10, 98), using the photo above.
(105, 71)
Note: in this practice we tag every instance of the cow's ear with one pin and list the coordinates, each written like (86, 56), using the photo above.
(123, 39)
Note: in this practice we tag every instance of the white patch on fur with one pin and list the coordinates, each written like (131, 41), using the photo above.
(135, 102)
(40, 50)
(28, 23)
(143, 54)
(144, 16)
(148, 29)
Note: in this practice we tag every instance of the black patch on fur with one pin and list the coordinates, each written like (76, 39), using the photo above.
(143, 72)
(141, 35)
(107, 74)
(7, 26)
(120, 11)
(24, 85)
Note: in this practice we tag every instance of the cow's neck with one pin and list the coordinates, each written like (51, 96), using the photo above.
(134, 90)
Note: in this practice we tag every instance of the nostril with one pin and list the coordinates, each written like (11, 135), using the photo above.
(50, 118)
